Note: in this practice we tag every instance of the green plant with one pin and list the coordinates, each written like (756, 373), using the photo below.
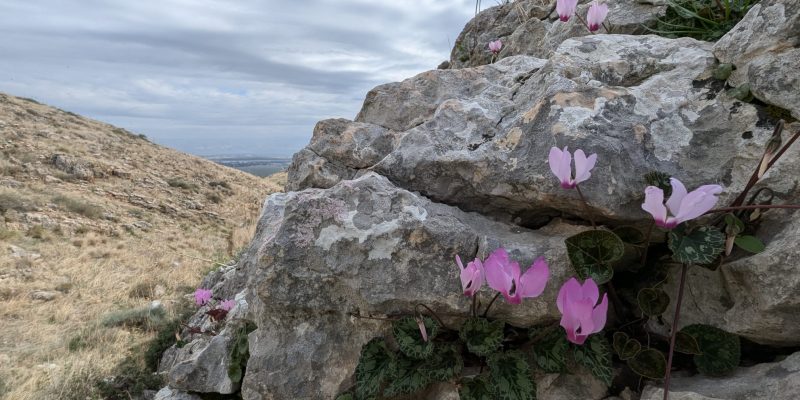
(81, 207)
(701, 19)
(182, 184)
(147, 318)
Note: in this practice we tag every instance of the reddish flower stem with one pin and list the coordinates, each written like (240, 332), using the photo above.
(754, 178)
(753, 207)
(585, 205)
(486, 312)
(674, 331)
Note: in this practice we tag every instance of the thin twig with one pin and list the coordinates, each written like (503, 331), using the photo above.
(586, 206)
(753, 207)
(674, 330)
(486, 312)
(433, 313)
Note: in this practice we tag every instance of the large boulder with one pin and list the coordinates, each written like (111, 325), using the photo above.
(324, 259)
(532, 27)
(480, 136)
(774, 381)
(764, 49)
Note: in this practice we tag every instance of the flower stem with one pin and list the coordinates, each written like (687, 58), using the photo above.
(436, 316)
(585, 205)
(486, 312)
(753, 207)
(475, 304)
(754, 178)
(647, 242)
(674, 330)
(584, 23)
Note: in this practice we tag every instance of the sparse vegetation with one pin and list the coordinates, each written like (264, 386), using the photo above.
(182, 184)
(702, 19)
(81, 207)
(57, 353)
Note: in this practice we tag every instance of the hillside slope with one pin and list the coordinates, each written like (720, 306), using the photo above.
(96, 223)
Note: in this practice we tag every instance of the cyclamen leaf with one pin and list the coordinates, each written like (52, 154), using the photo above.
(593, 252)
(481, 336)
(721, 350)
(475, 389)
(510, 377)
(444, 364)
(409, 338)
(346, 396)
(649, 363)
(653, 302)
(699, 246)
(749, 243)
(406, 377)
(551, 351)
(626, 347)
(595, 355)
(686, 344)
(373, 366)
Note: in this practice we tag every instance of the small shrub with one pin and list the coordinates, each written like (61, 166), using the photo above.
(145, 318)
(37, 232)
(86, 209)
(702, 19)
(182, 184)
(222, 184)
(13, 201)
(7, 234)
(214, 197)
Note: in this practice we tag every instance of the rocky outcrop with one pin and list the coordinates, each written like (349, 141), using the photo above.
(774, 381)
(764, 49)
(454, 161)
(531, 27)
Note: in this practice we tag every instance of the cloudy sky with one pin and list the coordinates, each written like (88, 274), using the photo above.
(219, 76)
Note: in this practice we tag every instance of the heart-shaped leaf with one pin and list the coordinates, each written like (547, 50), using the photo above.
(630, 234)
(653, 302)
(551, 351)
(649, 363)
(477, 388)
(443, 364)
(373, 365)
(595, 355)
(409, 338)
(749, 243)
(721, 350)
(699, 246)
(686, 343)
(406, 377)
(625, 347)
(593, 252)
(510, 377)
(481, 336)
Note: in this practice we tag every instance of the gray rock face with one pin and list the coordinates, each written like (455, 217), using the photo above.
(754, 296)
(172, 394)
(480, 137)
(528, 27)
(365, 247)
(763, 47)
(774, 381)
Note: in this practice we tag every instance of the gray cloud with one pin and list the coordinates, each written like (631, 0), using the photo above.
(216, 76)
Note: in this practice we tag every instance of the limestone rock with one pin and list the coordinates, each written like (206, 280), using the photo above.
(529, 28)
(365, 247)
(763, 47)
(173, 394)
(774, 381)
(479, 137)
(73, 166)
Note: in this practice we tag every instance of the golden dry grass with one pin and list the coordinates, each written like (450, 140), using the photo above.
(117, 241)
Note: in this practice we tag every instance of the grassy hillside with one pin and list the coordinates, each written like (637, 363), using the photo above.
(96, 224)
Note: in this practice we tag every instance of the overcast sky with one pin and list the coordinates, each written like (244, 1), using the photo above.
(219, 77)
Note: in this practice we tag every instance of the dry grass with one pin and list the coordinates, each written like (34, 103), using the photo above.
(129, 236)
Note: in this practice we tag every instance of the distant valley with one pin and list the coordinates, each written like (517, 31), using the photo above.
(256, 165)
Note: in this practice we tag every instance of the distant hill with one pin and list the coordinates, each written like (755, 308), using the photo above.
(96, 223)
(258, 166)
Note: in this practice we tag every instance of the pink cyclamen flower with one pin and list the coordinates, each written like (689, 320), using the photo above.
(596, 15)
(503, 275)
(581, 316)
(566, 9)
(683, 206)
(227, 305)
(561, 165)
(495, 46)
(471, 276)
(202, 296)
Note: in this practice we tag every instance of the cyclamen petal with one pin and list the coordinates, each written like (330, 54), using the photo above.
(561, 165)
(471, 276)
(227, 305)
(581, 315)
(596, 15)
(495, 46)
(202, 296)
(503, 275)
(683, 206)
(566, 9)
(534, 280)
